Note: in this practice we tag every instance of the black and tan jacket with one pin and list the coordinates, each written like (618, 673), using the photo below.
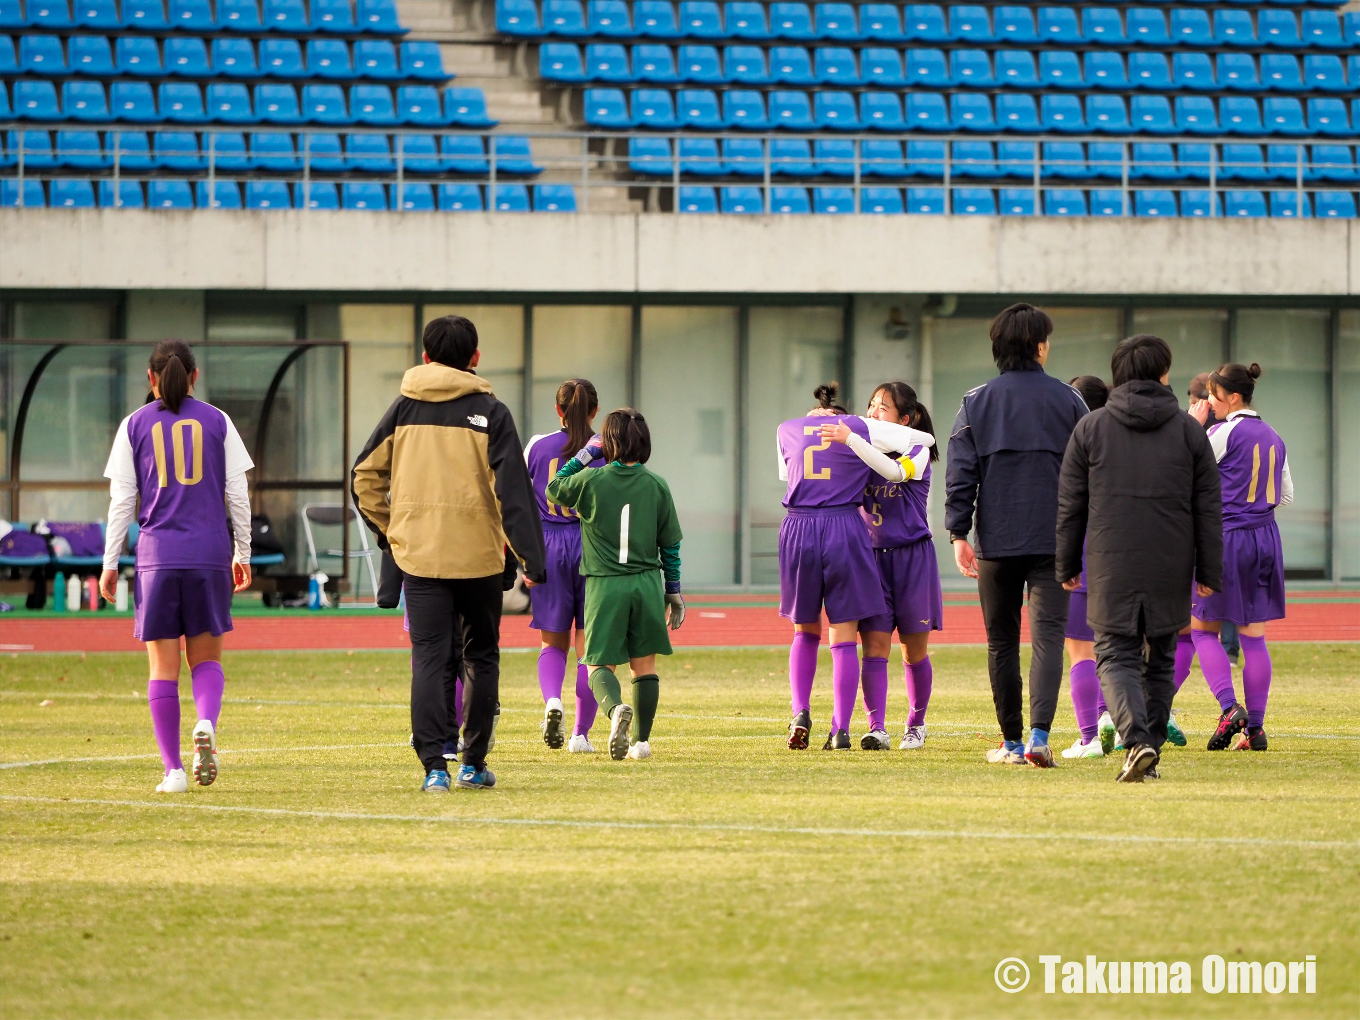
(443, 482)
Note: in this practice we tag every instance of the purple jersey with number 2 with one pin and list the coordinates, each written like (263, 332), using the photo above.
(822, 473)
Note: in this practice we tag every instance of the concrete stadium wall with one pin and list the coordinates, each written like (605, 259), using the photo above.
(313, 250)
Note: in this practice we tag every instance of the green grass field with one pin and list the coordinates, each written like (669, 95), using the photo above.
(726, 877)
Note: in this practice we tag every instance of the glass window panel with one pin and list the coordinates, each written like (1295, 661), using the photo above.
(380, 350)
(1082, 342)
(1346, 527)
(689, 395)
(64, 320)
(792, 351)
(580, 341)
(1293, 395)
(500, 338)
(1196, 337)
(264, 324)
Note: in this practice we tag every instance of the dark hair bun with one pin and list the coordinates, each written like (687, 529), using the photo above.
(826, 394)
(1254, 370)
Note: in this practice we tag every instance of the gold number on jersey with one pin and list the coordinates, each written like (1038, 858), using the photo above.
(158, 447)
(1255, 472)
(552, 473)
(1270, 478)
(877, 514)
(177, 430)
(809, 470)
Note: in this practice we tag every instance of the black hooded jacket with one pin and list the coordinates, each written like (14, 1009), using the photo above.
(1139, 486)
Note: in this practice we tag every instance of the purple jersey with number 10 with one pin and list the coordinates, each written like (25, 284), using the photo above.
(822, 473)
(544, 457)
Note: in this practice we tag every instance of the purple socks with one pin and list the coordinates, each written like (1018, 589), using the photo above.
(920, 677)
(844, 683)
(1085, 694)
(1213, 663)
(208, 686)
(586, 705)
(163, 698)
(1255, 678)
(802, 669)
(1185, 655)
(552, 671)
(873, 677)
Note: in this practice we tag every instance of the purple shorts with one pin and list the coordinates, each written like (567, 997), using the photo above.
(1253, 579)
(825, 557)
(561, 600)
(181, 603)
(910, 576)
(1077, 627)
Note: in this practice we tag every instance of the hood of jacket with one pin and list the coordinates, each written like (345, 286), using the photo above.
(1143, 405)
(434, 383)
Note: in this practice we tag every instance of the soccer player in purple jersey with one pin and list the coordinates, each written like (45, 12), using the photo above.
(894, 509)
(825, 555)
(559, 604)
(185, 462)
(1254, 471)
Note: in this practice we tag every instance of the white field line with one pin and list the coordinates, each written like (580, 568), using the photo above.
(773, 830)
(220, 750)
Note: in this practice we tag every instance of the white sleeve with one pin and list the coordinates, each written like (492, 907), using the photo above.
(530, 446)
(1286, 484)
(915, 465)
(238, 460)
(779, 456)
(1218, 438)
(122, 511)
(883, 465)
(238, 505)
(121, 466)
(893, 438)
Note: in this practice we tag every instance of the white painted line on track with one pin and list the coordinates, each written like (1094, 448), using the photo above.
(220, 750)
(773, 830)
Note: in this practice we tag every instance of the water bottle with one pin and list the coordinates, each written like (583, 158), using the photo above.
(92, 586)
(59, 593)
(120, 596)
(73, 595)
(313, 593)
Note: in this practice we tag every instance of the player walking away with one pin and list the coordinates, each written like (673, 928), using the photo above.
(899, 531)
(184, 461)
(1254, 470)
(630, 539)
(825, 556)
(559, 603)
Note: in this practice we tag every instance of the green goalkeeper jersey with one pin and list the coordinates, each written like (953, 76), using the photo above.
(627, 519)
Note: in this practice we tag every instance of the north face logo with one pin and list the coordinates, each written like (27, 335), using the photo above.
(477, 419)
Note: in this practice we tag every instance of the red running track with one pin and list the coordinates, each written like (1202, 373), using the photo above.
(712, 621)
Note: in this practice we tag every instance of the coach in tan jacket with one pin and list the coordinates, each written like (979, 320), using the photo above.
(442, 481)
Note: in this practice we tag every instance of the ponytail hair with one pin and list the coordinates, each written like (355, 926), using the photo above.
(1237, 378)
(172, 363)
(910, 410)
(826, 397)
(577, 403)
(625, 437)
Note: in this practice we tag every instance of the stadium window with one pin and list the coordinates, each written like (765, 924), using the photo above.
(1197, 337)
(381, 349)
(591, 341)
(500, 338)
(1346, 508)
(1083, 340)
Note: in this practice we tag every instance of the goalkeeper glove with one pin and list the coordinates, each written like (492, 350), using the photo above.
(590, 452)
(675, 609)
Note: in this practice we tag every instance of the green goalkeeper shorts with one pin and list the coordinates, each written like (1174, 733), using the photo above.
(625, 618)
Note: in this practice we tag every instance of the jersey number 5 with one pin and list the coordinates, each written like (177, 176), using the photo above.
(177, 430)
(809, 470)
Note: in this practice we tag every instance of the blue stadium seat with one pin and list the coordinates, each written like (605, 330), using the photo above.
(1017, 112)
(606, 108)
(972, 159)
(1328, 117)
(1327, 163)
(1353, 62)
(561, 62)
(36, 100)
(1194, 160)
(285, 16)
(137, 55)
(836, 21)
(1102, 25)
(93, 14)
(363, 195)
(513, 17)
(41, 54)
(1152, 115)
(741, 199)
(329, 58)
(1234, 28)
(699, 157)
(1322, 28)
(1064, 202)
(698, 108)
(177, 150)
(1237, 71)
(970, 111)
(789, 157)
(1016, 202)
(378, 17)
(186, 57)
(1060, 69)
(1015, 159)
(835, 110)
(324, 104)
(791, 111)
(84, 101)
(1149, 71)
(1153, 161)
(1350, 27)
(132, 100)
(267, 195)
(740, 109)
(700, 19)
(1283, 116)
(1107, 114)
(926, 111)
(653, 108)
(80, 150)
(513, 155)
(281, 58)
(655, 19)
(459, 198)
(926, 159)
(372, 104)
(833, 200)
(366, 153)
(882, 66)
(1334, 205)
(1016, 69)
(791, 65)
(181, 102)
(790, 200)
(1200, 204)
(147, 15)
(835, 157)
(1290, 205)
(1015, 25)
(338, 16)
(1193, 71)
(974, 201)
(928, 68)
(1244, 203)
(1196, 115)
(1105, 160)
(235, 15)
(377, 59)
(419, 154)
(971, 68)
(190, 16)
(1147, 27)
(699, 64)
(745, 20)
(881, 111)
(9, 63)
(1066, 160)
(608, 18)
(315, 195)
(166, 194)
(1159, 203)
(464, 154)
(925, 22)
(607, 62)
(224, 195)
(744, 157)
(1242, 162)
(1280, 71)
(229, 102)
(278, 104)
(835, 66)
(1062, 113)
(1190, 27)
(1105, 70)
(1278, 28)
(554, 198)
(418, 105)
(234, 58)
(564, 17)
(1107, 202)
(130, 149)
(1325, 71)
(1284, 162)
(654, 63)
(970, 24)
(697, 199)
(882, 22)
(882, 157)
(880, 201)
(128, 195)
(37, 149)
(927, 201)
(88, 54)
(226, 150)
(1239, 115)
(791, 21)
(48, 14)
(1059, 25)
(466, 107)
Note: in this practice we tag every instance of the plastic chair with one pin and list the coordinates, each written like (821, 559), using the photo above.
(1325, 71)
(1016, 202)
(834, 200)
(36, 100)
(267, 195)
(927, 68)
(146, 15)
(926, 159)
(1102, 25)
(376, 59)
(607, 62)
(464, 154)
(699, 64)
(329, 58)
(1017, 113)
(1107, 114)
(791, 111)
(790, 200)
(1015, 159)
(742, 200)
(745, 20)
(84, 101)
(335, 16)
(655, 19)
(1059, 25)
(513, 17)
(226, 150)
(791, 65)
(606, 108)
(1060, 69)
(1159, 203)
(926, 111)
(419, 105)
(181, 102)
(1290, 205)
(1149, 71)
(1244, 204)
(970, 68)
(1280, 71)
(970, 24)
(791, 21)
(1108, 202)
(1196, 115)
(882, 157)
(224, 195)
(971, 112)
(190, 15)
(700, 19)
(1278, 28)
(1066, 160)
(284, 16)
(789, 157)
(1062, 113)
(41, 54)
(835, 157)
(1153, 161)
(1015, 24)
(80, 150)
(561, 62)
(372, 104)
(925, 22)
(882, 22)
(881, 111)
(459, 198)
(745, 157)
(466, 107)
(835, 66)
(513, 155)
(554, 198)
(378, 16)
(1152, 115)
(1321, 28)
(316, 195)
(1240, 115)
(1192, 71)
(237, 15)
(1328, 117)
(88, 54)
(1234, 28)
(972, 159)
(653, 63)
(1064, 202)
(699, 157)
(698, 108)
(1191, 27)
(973, 201)
(100, 15)
(927, 201)
(1016, 69)
(363, 195)
(234, 58)
(1283, 116)
(281, 58)
(169, 194)
(1241, 162)
(324, 104)
(880, 201)
(1147, 27)
(1105, 71)
(608, 18)
(694, 199)
(412, 197)
(883, 67)
(1334, 205)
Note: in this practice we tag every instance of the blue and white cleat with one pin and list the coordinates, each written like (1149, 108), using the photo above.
(470, 778)
(436, 781)
(206, 762)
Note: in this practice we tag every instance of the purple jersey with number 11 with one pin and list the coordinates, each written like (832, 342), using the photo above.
(822, 473)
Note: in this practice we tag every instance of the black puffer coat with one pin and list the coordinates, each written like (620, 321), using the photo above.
(1139, 486)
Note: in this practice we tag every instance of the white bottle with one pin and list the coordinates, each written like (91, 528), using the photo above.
(120, 595)
(73, 595)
